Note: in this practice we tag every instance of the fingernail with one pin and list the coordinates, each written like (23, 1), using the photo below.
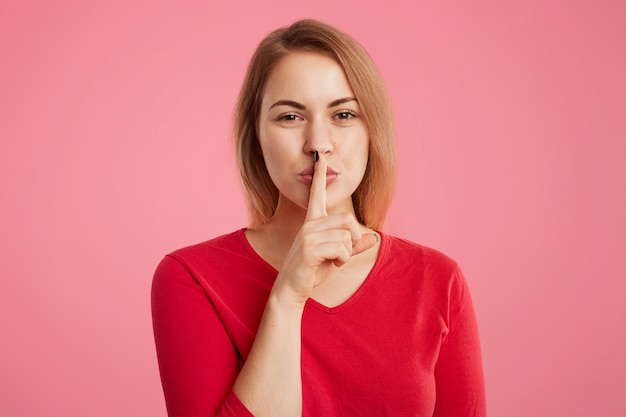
(316, 156)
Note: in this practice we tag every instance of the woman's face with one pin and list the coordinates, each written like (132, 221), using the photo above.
(309, 106)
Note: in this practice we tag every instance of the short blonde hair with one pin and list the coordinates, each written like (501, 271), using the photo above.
(373, 196)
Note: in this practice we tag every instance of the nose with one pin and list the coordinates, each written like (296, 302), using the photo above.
(318, 137)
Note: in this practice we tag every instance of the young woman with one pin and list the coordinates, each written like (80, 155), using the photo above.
(311, 310)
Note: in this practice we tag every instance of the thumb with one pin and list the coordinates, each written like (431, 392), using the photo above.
(367, 241)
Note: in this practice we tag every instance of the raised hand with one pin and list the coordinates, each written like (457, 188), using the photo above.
(324, 242)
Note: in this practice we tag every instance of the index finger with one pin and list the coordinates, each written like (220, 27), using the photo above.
(317, 195)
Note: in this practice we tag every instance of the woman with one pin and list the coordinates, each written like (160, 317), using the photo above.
(311, 310)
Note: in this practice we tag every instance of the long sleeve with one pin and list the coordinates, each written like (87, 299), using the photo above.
(197, 359)
(458, 373)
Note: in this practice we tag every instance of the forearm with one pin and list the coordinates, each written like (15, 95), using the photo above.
(270, 382)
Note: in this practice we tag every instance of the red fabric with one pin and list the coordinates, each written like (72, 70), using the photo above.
(405, 344)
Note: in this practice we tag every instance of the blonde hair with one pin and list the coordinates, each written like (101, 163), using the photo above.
(373, 196)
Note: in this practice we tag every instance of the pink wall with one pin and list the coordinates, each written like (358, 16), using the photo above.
(114, 149)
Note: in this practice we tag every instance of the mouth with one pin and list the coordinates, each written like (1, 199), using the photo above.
(306, 176)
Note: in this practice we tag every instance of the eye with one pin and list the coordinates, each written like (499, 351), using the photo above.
(345, 115)
(289, 117)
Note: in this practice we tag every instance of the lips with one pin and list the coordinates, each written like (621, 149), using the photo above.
(306, 175)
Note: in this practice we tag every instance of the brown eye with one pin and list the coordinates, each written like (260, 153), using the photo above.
(345, 115)
(289, 117)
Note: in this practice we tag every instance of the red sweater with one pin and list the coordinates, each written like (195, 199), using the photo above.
(405, 344)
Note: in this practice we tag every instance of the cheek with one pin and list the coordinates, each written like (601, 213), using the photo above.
(272, 153)
(270, 163)
(360, 154)
(276, 160)
(363, 160)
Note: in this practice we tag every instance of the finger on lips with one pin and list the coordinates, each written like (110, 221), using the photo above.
(317, 194)
(338, 225)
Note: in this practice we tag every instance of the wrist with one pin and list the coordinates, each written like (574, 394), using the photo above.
(286, 301)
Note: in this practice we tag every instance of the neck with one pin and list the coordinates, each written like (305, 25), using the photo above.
(284, 224)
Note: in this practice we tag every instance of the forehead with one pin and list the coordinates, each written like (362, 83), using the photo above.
(307, 76)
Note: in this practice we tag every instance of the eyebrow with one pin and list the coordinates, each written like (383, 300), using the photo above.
(301, 106)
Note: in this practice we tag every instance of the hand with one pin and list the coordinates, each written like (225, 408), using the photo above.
(324, 242)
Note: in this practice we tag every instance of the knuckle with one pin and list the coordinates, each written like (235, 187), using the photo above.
(344, 250)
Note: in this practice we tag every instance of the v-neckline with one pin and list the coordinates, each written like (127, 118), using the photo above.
(373, 273)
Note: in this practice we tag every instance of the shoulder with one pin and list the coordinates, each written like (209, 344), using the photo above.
(223, 269)
(220, 245)
(405, 251)
(217, 254)
(432, 273)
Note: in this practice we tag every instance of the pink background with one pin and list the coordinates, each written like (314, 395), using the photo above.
(114, 129)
